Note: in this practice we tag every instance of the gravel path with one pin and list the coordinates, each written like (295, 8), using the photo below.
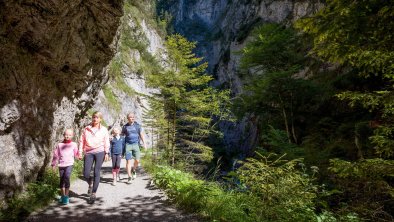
(135, 202)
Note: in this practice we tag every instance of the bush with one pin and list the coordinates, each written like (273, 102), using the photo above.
(37, 195)
(208, 199)
(287, 193)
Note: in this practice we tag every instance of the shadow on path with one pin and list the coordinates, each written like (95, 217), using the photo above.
(139, 201)
(131, 209)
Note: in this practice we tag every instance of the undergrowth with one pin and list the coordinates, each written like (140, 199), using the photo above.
(260, 195)
(37, 195)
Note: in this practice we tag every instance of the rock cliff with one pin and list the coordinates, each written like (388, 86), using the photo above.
(54, 55)
(221, 28)
(140, 51)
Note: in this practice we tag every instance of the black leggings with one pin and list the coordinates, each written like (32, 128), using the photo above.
(65, 174)
(116, 158)
(98, 159)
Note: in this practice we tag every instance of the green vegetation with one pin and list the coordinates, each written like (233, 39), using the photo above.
(111, 98)
(132, 55)
(361, 38)
(189, 103)
(320, 94)
(326, 95)
(266, 191)
(37, 195)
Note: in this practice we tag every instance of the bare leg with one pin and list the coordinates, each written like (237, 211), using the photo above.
(67, 191)
(135, 164)
(63, 191)
(128, 167)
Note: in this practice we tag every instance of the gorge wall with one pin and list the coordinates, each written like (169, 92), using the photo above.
(139, 51)
(221, 28)
(53, 64)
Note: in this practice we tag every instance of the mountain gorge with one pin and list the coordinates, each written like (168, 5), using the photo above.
(66, 59)
(221, 28)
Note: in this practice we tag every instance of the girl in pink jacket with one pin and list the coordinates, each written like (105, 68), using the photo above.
(64, 155)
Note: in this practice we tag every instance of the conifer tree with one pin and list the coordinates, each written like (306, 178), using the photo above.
(188, 101)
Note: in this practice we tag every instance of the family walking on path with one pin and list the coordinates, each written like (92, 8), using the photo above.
(122, 202)
(95, 147)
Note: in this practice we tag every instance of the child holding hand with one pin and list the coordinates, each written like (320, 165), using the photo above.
(117, 150)
(64, 155)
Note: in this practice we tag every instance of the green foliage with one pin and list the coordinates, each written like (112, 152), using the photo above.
(272, 90)
(366, 183)
(207, 199)
(287, 193)
(272, 191)
(77, 169)
(37, 195)
(358, 34)
(354, 33)
(269, 40)
(111, 98)
(276, 141)
(188, 101)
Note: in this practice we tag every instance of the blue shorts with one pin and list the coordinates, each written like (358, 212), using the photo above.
(133, 151)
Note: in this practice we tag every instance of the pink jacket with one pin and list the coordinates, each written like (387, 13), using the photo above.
(64, 154)
(94, 140)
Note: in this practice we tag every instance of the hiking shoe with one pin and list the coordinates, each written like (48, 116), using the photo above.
(61, 199)
(92, 199)
(134, 175)
(66, 200)
(129, 180)
(90, 189)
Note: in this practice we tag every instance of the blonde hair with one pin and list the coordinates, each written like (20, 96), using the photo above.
(98, 113)
(115, 128)
(68, 129)
(130, 114)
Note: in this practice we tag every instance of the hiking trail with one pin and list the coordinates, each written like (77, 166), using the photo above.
(138, 201)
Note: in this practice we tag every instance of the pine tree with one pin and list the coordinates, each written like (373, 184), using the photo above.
(188, 101)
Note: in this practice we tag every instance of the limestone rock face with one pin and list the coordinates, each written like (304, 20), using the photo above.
(221, 28)
(133, 69)
(54, 55)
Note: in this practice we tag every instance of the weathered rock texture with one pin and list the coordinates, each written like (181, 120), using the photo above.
(133, 69)
(51, 69)
(221, 28)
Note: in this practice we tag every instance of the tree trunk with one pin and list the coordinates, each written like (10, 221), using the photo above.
(285, 119)
(173, 134)
(292, 120)
(168, 136)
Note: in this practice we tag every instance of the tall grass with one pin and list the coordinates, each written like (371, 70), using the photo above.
(208, 199)
(215, 202)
